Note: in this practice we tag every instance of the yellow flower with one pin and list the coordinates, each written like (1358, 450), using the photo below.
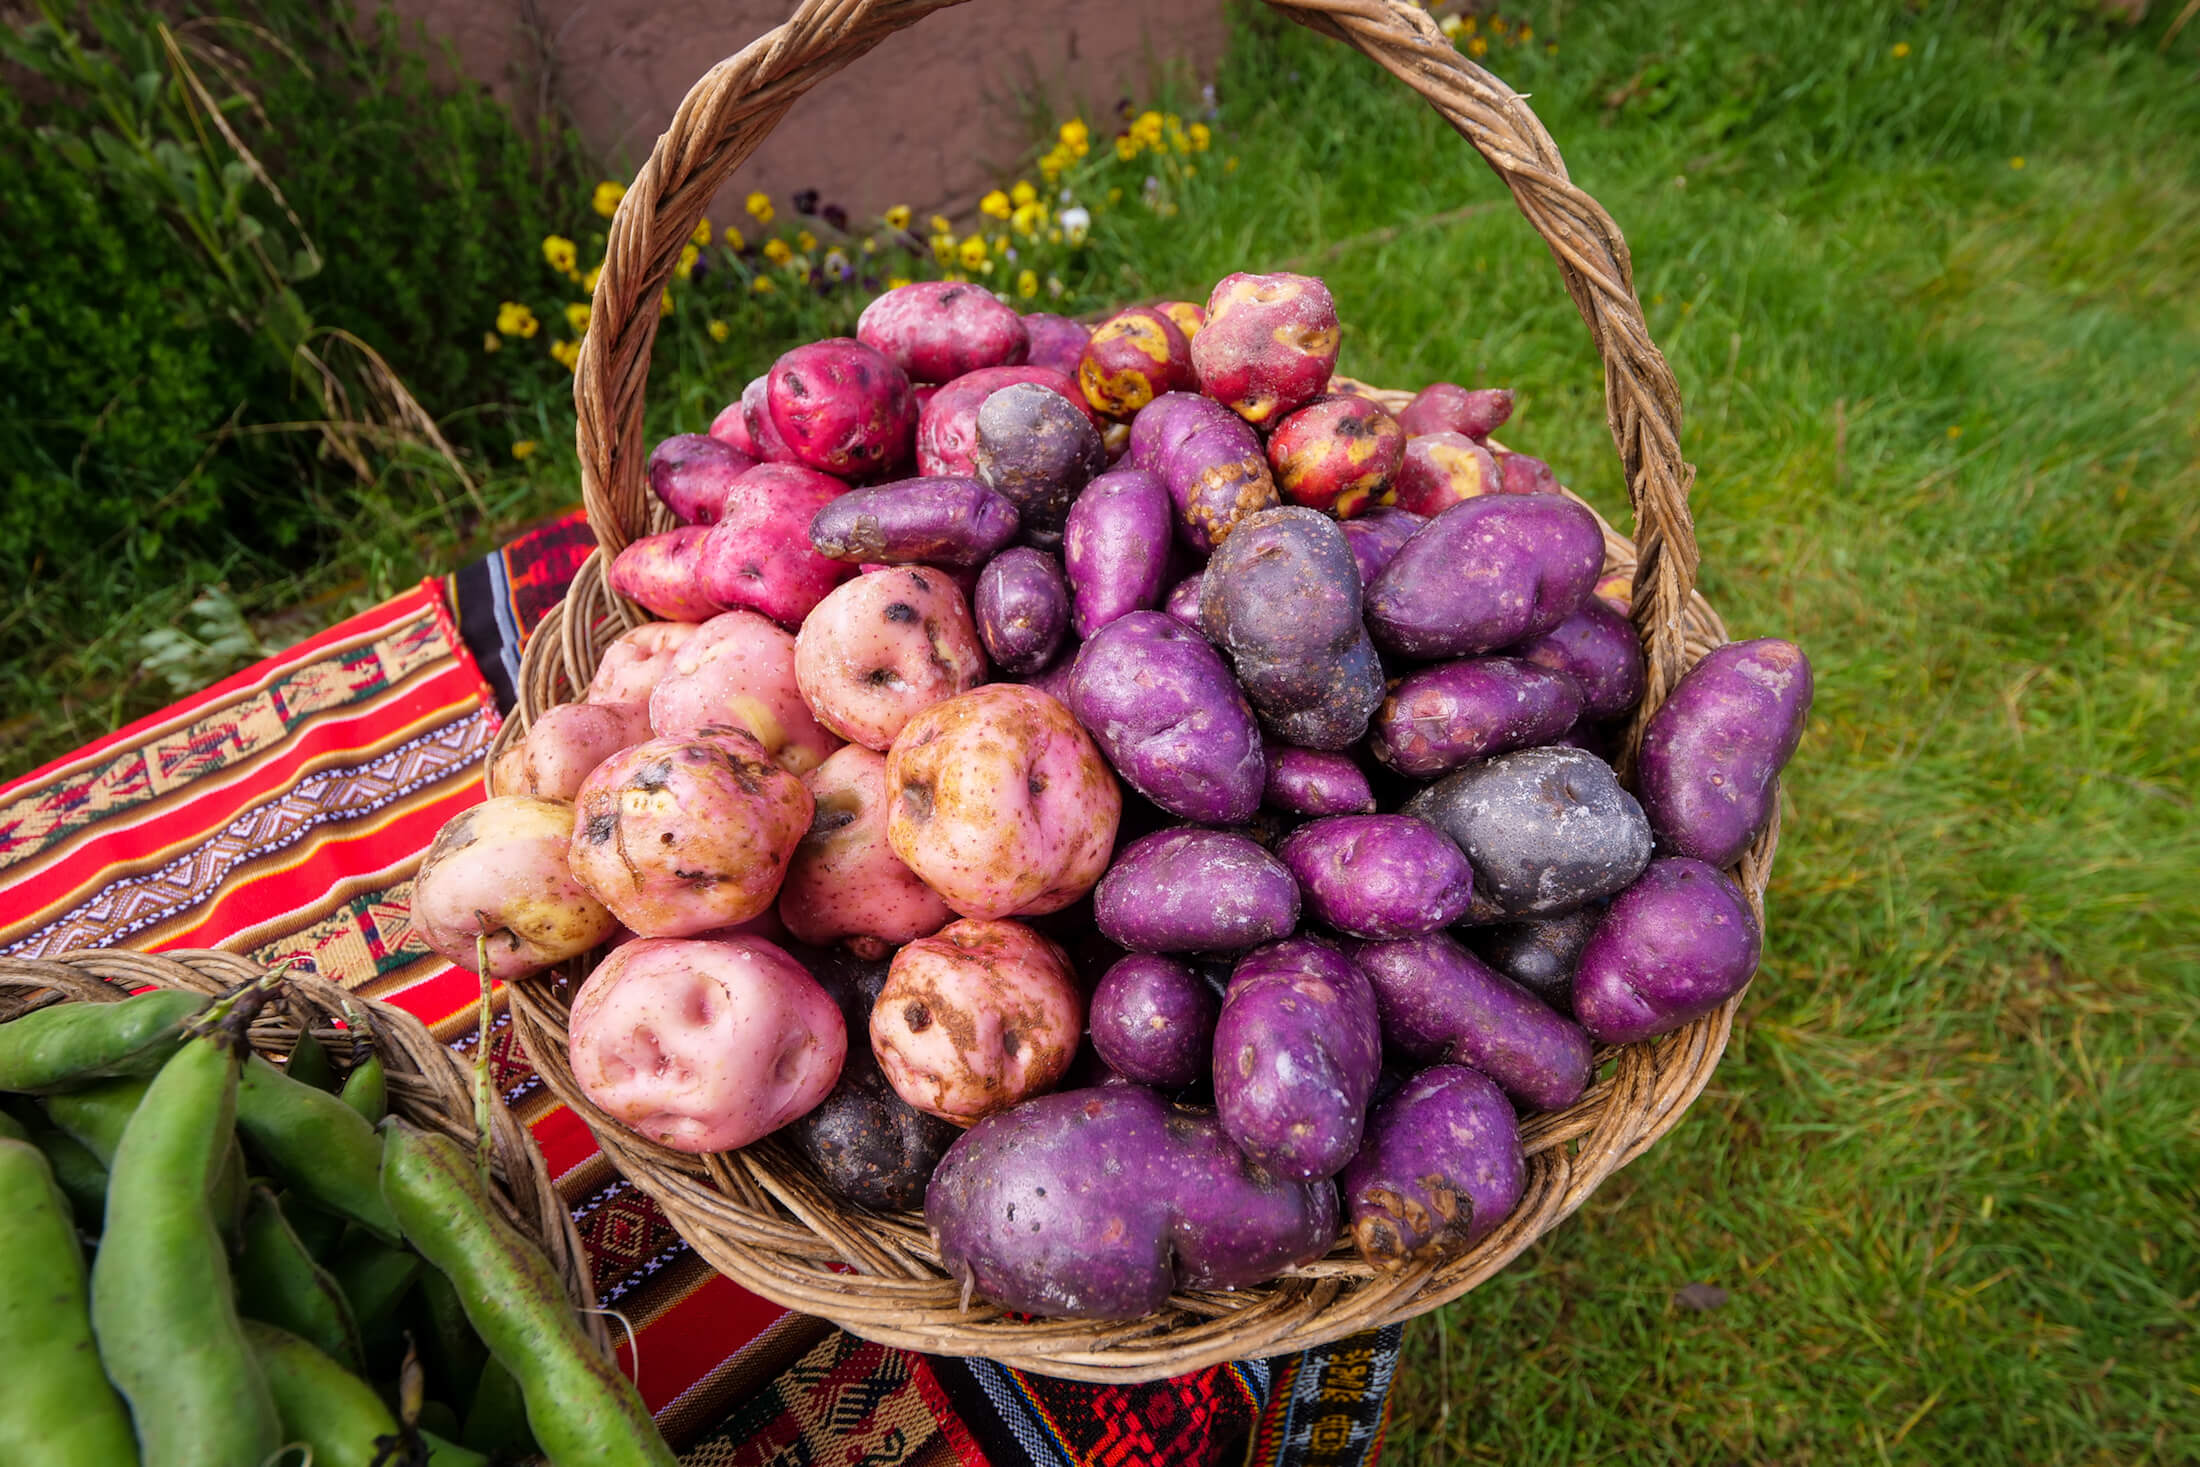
(1900, 49)
(1126, 146)
(896, 282)
(664, 305)
(1023, 192)
(994, 204)
(514, 319)
(2016, 162)
(805, 241)
(1453, 27)
(943, 248)
(759, 206)
(1955, 431)
(1229, 164)
(1472, 22)
(776, 251)
(762, 285)
(718, 329)
(1551, 50)
(1527, 34)
(1076, 136)
(1054, 236)
(1000, 243)
(607, 196)
(1497, 25)
(1478, 47)
(576, 317)
(588, 281)
(1115, 196)
(735, 240)
(1201, 136)
(941, 224)
(1190, 171)
(525, 449)
(870, 247)
(1029, 218)
(972, 252)
(986, 268)
(898, 217)
(1027, 284)
(568, 353)
(689, 254)
(490, 341)
(1147, 129)
(561, 254)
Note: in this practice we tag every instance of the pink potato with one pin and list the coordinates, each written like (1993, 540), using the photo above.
(1189, 316)
(1521, 474)
(737, 671)
(663, 574)
(977, 1018)
(842, 408)
(999, 800)
(1056, 341)
(633, 665)
(756, 416)
(1446, 407)
(705, 1045)
(691, 473)
(1269, 346)
(1134, 356)
(759, 554)
(947, 431)
(678, 836)
(1336, 453)
(565, 744)
(498, 870)
(882, 648)
(845, 881)
(1618, 589)
(731, 427)
(1441, 469)
(938, 330)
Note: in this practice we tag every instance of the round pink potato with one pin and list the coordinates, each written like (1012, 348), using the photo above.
(1522, 474)
(756, 416)
(565, 744)
(499, 870)
(737, 671)
(678, 836)
(947, 432)
(1336, 453)
(1189, 317)
(977, 1018)
(633, 665)
(937, 330)
(1441, 469)
(843, 408)
(884, 647)
(705, 1045)
(1056, 341)
(691, 473)
(731, 427)
(1269, 346)
(663, 574)
(1134, 356)
(1446, 407)
(759, 554)
(845, 880)
(1001, 802)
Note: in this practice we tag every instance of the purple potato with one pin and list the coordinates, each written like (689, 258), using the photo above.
(1237, 1222)
(1038, 451)
(691, 473)
(1160, 703)
(1439, 1001)
(1484, 574)
(1596, 647)
(1377, 536)
(1183, 602)
(935, 521)
(1217, 476)
(1116, 548)
(1674, 946)
(1600, 739)
(1153, 1021)
(1378, 876)
(1547, 830)
(1442, 1167)
(1053, 679)
(1455, 712)
(1163, 424)
(1538, 955)
(1056, 342)
(1189, 890)
(1316, 782)
(1022, 609)
(1297, 1050)
(1711, 758)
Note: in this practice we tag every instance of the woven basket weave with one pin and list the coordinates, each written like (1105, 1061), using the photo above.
(759, 1215)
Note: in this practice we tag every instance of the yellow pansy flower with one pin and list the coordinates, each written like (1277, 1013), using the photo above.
(1027, 284)
(972, 252)
(1147, 129)
(588, 281)
(568, 353)
(762, 285)
(607, 196)
(776, 251)
(576, 317)
(1126, 146)
(701, 234)
(490, 341)
(718, 329)
(735, 240)
(805, 241)
(1478, 47)
(1029, 218)
(1901, 49)
(514, 319)
(1023, 192)
(1076, 136)
(759, 206)
(525, 449)
(560, 253)
(994, 204)
(870, 247)
(943, 248)
(896, 282)
(685, 267)
(1201, 136)
(897, 217)
(941, 224)
(1000, 243)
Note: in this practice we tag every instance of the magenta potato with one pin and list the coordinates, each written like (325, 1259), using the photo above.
(1376, 535)
(1189, 890)
(1446, 407)
(947, 431)
(756, 416)
(1153, 1021)
(1115, 548)
(1132, 358)
(844, 882)
(1674, 946)
(975, 1018)
(1056, 342)
(1484, 574)
(1442, 1167)
(1598, 648)
(1378, 876)
(1188, 315)
(1547, 830)
(1711, 758)
(1520, 474)
(1269, 345)
(737, 672)
(759, 557)
(943, 520)
(1315, 782)
(1438, 718)
(843, 408)
(1337, 453)
(1439, 470)
(1539, 954)
(1182, 601)
(497, 870)
(1297, 1050)
(1038, 452)
(938, 330)
(1022, 609)
(664, 575)
(691, 473)
(1161, 704)
(731, 427)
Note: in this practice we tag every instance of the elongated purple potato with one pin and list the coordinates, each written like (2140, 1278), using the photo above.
(1712, 755)
(1439, 1001)
(1442, 1167)
(1183, 601)
(691, 473)
(1218, 476)
(936, 521)
(1297, 1050)
(1056, 342)
(1377, 536)
(1455, 712)
(1162, 706)
(1115, 547)
(1237, 1222)
(1315, 782)
(1163, 424)
(1539, 955)
(1547, 830)
(1598, 648)
(1153, 1021)
(1674, 946)
(1189, 890)
(1484, 574)
(1378, 876)
(1022, 609)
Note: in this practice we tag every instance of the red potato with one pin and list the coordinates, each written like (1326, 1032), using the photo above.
(499, 870)
(1446, 407)
(1439, 470)
(883, 648)
(663, 574)
(845, 882)
(759, 555)
(1000, 801)
(1134, 356)
(1521, 474)
(691, 473)
(938, 330)
(1269, 346)
(843, 408)
(1189, 317)
(565, 744)
(737, 671)
(977, 1018)
(705, 1045)
(633, 665)
(1056, 342)
(679, 836)
(731, 427)
(947, 432)
(756, 416)
(1336, 453)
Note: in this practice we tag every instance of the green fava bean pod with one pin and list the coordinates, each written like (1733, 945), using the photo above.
(367, 1089)
(278, 1283)
(56, 1407)
(309, 1063)
(75, 1170)
(11, 1129)
(496, 1419)
(447, 1344)
(377, 1280)
(583, 1412)
(70, 1044)
(331, 1410)
(319, 1146)
(96, 1116)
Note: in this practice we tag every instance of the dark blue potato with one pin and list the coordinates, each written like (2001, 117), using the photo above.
(1377, 536)
(936, 521)
(1038, 451)
(1444, 716)
(1153, 1021)
(1282, 598)
(1441, 1169)
(1117, 548)
(1596, 647)
(1022, 609)
(1674, 946)
(1484, 574)
(1378, 876)
(1711, 758)
(1547, 830)
(1538, 955)
(1297, 1050)
(1162, 706)
(1189, 890)
(1316, 782)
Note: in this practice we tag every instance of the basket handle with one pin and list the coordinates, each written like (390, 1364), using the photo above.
(737, 103)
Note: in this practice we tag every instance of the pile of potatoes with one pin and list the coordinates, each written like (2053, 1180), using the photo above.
(1170, 827)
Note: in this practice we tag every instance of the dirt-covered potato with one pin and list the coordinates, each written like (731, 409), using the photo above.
(1446, 407)
(1484, 574)
(1038, 452)
(1162, 705)
(1521, 474)
(1442, 1167)
(1598, 648)
(1022, 609)
(499, 869)
(566, 742)
(637, 661)
(1269, 345)
(938, 330)
(943, 520)
(1441, 717)
(1674, 946)
(1133, 357)
(1315, 782)
(663, 574)
(737, 672)
(691, 473)
(975, 1018)
(758, 556)
(1297, 1050)
(679, 836)
(1376, 535)
(883, 647)
(1153, 1021)
(844, 882)
(1337, 453)
(1056, 342)
(999, 800)
(1378, 876)
(1115, 548)
(1539, 954)
(947, 432)
(704, 1046)
(1547, 830)
(1211, 462)
(1188, 890)
(843, 408)
(1439, 470)
(1711, 758)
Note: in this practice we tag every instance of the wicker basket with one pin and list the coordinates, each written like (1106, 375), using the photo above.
(429, 1085)
(759, 1215)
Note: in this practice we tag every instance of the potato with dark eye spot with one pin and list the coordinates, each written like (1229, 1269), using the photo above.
(1038, 452)
(1269, 345)
(845, 883)
(938, 330)
(883, 647)
(1133, 357)
(843, 408)
(947, 431)
(758, 556)
(499, 868)
(1337, 453)
(976, 1018)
